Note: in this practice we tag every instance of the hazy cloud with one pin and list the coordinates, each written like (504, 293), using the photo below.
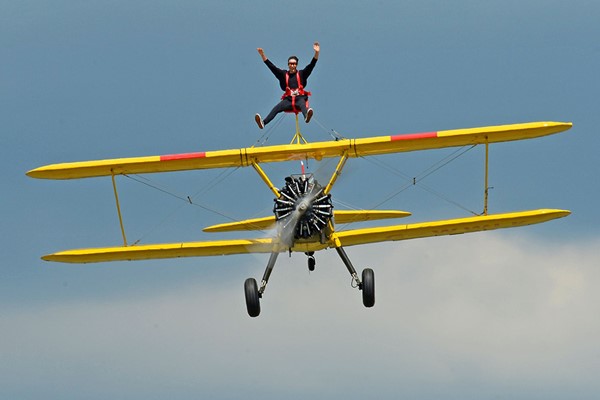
(459, 315)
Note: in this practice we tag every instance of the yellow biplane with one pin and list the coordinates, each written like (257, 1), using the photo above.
(303, 210)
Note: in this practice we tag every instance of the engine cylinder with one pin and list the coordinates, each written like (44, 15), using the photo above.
(302, 207)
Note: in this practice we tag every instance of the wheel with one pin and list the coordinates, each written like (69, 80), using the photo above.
(311, 263)
(368, 287)
(252, 297)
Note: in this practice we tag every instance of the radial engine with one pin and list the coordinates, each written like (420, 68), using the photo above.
(302, 209)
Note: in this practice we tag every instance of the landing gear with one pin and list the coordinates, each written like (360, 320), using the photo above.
(311, 261)
(253, 293)
(367, 285)
(252, 297)
(304, 212)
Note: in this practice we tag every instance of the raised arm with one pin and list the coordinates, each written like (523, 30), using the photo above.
(262, 53)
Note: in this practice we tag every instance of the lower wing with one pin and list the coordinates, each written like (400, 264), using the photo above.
(340, 216)
(448, 227)
(343, 238)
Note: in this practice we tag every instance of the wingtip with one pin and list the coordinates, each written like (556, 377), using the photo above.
(568, 125)
(563, 125)
(39, 173)
(31, 173)
(48, 257)
(556, 213)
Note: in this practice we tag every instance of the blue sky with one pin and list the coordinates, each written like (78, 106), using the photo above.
(501, 314)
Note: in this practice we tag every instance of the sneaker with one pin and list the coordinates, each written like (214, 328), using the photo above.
(309, 115)
(259, 121)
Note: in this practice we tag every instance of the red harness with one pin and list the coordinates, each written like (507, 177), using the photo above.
(295, 92)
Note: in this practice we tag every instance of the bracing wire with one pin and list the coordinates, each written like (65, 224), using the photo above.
(411, 180)
(416, 180)
(331, 132)
(186, 199)
(346, 205)
(264, 138)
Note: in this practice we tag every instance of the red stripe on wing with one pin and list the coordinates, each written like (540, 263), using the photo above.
(185, 156)
(413, 136)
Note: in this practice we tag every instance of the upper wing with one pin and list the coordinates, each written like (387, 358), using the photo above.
(344, 238)
(246, 156)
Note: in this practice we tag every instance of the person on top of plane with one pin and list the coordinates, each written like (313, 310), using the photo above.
(292, 82)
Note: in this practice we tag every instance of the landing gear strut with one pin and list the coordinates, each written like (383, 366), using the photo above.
(367, 285)
(303, 210)
(253, 292)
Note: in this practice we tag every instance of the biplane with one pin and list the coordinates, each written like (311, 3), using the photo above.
(303, 211)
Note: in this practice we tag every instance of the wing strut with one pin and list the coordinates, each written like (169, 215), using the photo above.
(265, 178)
(487, 187)
(336, 173)
(119, 209)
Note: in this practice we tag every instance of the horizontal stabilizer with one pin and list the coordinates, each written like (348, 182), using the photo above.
(340, 216)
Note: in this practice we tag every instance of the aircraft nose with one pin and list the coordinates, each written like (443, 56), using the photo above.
(303, 206)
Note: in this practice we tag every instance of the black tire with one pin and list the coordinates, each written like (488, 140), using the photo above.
(311, 263)
(252, 297)
(368, 287)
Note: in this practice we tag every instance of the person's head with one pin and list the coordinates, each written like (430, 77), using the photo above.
(292, 63)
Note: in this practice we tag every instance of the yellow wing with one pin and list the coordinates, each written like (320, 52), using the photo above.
(318, 150)
(168, 250)
(344, 238)
(340, 216)
(448, 227)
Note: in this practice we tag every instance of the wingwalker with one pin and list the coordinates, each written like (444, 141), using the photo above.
(303, 210)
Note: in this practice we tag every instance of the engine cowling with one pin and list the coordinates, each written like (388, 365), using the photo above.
(302, 208)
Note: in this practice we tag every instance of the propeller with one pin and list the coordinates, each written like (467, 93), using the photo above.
(302, 210)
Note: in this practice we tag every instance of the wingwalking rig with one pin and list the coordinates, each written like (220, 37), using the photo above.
(302, 208)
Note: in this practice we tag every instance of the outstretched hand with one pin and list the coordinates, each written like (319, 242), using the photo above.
(316, 47)
(262, 53)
